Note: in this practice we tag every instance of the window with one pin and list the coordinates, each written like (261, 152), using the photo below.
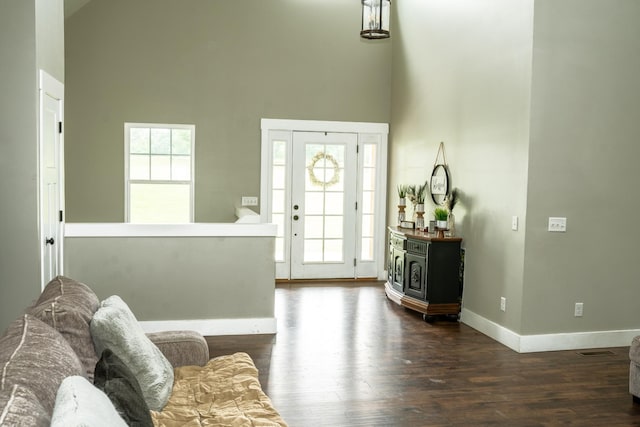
(159, 173)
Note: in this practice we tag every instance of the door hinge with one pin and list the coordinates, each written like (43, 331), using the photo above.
(355, 262)
(61, 216)
(356, 205)
(357, 149)
(59, 127)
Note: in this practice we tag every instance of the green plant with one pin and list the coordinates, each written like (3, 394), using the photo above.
(421, 192)
(411, 193)
(402, 190)
(441, 214)
(452, 199)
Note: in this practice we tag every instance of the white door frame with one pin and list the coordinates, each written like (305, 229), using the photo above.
(371, 133)
(49, 86)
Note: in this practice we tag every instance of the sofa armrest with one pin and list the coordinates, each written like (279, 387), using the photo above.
(182, 348)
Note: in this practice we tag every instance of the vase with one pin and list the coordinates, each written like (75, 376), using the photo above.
(402, 201)
(401, 214)
(451, 225)
(441, 224)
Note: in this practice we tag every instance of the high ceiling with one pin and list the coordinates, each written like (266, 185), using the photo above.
(72, 6)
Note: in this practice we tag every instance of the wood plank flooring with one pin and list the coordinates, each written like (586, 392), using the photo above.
(346, 356)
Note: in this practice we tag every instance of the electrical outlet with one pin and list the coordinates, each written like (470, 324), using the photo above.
(514, 223)
(557, 224)
(577, 311)
(503, 304)
(249, 201)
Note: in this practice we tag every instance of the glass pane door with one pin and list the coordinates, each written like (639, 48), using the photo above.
(323, 211)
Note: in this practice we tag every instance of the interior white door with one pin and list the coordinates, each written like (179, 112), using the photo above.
(51, 192)
(323, 205)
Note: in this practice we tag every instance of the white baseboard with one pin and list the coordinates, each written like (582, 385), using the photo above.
(548, 342)
(213, 327)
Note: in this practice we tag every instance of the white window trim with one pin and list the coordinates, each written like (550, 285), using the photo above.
(127, 181)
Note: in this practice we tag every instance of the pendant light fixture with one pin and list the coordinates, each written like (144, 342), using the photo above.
(375, 19)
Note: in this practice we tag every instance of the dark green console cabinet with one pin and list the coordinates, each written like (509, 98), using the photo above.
(424, 272)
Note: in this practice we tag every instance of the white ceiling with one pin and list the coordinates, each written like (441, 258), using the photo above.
(72, 6)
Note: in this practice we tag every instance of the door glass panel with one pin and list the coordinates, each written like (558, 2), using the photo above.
(314, 203)
(368, 201)
(334, 203)
(312, 250)
(279, 177)
(277, 200)
(333, 226)
(333, 250)
(313, 227)
(324, 202)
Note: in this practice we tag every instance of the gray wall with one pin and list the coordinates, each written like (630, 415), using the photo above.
(23, 52)
(537, 104)
(461, 75)
(221, 65)
(179, 278)
(583, 164)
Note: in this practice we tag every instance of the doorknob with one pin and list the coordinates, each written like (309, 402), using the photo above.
(49, 241)
(295, 217)
(295, 207)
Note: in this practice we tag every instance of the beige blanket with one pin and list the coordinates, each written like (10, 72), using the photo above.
(224, 392)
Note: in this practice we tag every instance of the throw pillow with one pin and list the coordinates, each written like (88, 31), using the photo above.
(36, 356)
(115, 327)
(68, 306)
(80, 404)
(19, 407)
(117, 381)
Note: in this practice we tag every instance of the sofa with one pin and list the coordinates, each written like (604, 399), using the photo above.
(634, 369)
(72, 360)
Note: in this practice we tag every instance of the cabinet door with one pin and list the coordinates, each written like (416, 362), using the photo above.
(390, 265)
(443, 277)
(398, 269)
(415, 275)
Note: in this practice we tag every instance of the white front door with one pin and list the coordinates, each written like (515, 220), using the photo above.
(50, 187)
(323, 205)
(313, 174)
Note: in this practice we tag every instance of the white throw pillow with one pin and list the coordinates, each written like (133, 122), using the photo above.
(80, 404)
(115, 327)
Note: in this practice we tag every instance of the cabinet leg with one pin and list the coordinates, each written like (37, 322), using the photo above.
(428, 318)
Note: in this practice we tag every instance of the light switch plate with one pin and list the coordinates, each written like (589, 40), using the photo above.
(557, 224)
(514, 223)
(249, 201)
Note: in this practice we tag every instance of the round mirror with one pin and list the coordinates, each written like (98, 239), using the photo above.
(439, 184)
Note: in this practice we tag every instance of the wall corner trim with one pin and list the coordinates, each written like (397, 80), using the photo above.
(548, 342)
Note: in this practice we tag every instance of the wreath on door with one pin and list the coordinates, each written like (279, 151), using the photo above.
(336, 170)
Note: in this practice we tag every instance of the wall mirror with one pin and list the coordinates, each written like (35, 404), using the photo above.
(439, 184)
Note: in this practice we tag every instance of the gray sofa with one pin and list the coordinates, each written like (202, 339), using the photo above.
(51, 341)
(634, 369)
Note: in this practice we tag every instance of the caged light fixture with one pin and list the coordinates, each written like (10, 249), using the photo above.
(375, 19)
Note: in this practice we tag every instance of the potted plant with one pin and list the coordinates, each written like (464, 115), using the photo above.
(421, 193)
(402, 194)
(450, 201)
(441, 215)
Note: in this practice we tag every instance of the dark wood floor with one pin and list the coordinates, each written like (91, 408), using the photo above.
(346, 356)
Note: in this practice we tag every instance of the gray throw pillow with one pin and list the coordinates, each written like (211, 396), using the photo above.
(68, 306)
(117, 381)
(80, 404)
(19, 407)
(36, 356)
(115, 327)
